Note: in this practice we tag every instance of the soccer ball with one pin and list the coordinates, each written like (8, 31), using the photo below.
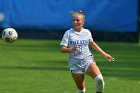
(9, 35)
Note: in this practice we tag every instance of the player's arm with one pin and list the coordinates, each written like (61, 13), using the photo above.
(65, 49)
(94, 46)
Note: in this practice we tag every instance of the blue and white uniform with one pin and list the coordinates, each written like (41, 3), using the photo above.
(79, 60)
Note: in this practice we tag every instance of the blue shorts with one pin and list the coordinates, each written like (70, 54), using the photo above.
(80, 66)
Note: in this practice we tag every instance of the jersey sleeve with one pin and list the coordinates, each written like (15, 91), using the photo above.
(90, 37)
(65, 38)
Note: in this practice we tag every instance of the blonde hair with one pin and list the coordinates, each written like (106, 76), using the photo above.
(78, 13)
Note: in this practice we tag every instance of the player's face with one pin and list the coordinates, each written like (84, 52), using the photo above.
(78, 21)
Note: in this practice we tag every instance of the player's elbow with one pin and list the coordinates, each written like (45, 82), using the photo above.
(62, 51)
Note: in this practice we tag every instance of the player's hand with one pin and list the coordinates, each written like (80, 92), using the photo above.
(109, 58)
(74, 49)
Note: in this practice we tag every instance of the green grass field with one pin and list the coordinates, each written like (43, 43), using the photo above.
(37, 66)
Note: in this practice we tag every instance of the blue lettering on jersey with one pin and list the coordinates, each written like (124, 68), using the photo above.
(78, 42)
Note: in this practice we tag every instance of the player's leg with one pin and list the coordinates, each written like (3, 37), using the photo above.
(80, 82)
(95, 73)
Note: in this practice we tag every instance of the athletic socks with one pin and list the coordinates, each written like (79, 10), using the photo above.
(81, 91)
(99, 83)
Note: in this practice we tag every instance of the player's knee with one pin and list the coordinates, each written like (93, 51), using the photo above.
(99, 83)
(81, 91)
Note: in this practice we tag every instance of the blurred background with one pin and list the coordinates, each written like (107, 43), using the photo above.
(108, 20)
(34, 64)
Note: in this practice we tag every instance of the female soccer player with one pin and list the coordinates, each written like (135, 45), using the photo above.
(76, 41)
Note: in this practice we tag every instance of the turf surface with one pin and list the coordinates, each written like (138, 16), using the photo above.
(37, 66)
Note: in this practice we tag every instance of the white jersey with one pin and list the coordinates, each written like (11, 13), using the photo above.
(81, 39)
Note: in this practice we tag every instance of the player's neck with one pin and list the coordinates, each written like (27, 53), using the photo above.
(78, 29)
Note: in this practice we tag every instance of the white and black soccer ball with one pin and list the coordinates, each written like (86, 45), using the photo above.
(9, 35)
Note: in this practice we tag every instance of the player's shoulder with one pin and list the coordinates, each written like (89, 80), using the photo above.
(69, 31)
(86, 30)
